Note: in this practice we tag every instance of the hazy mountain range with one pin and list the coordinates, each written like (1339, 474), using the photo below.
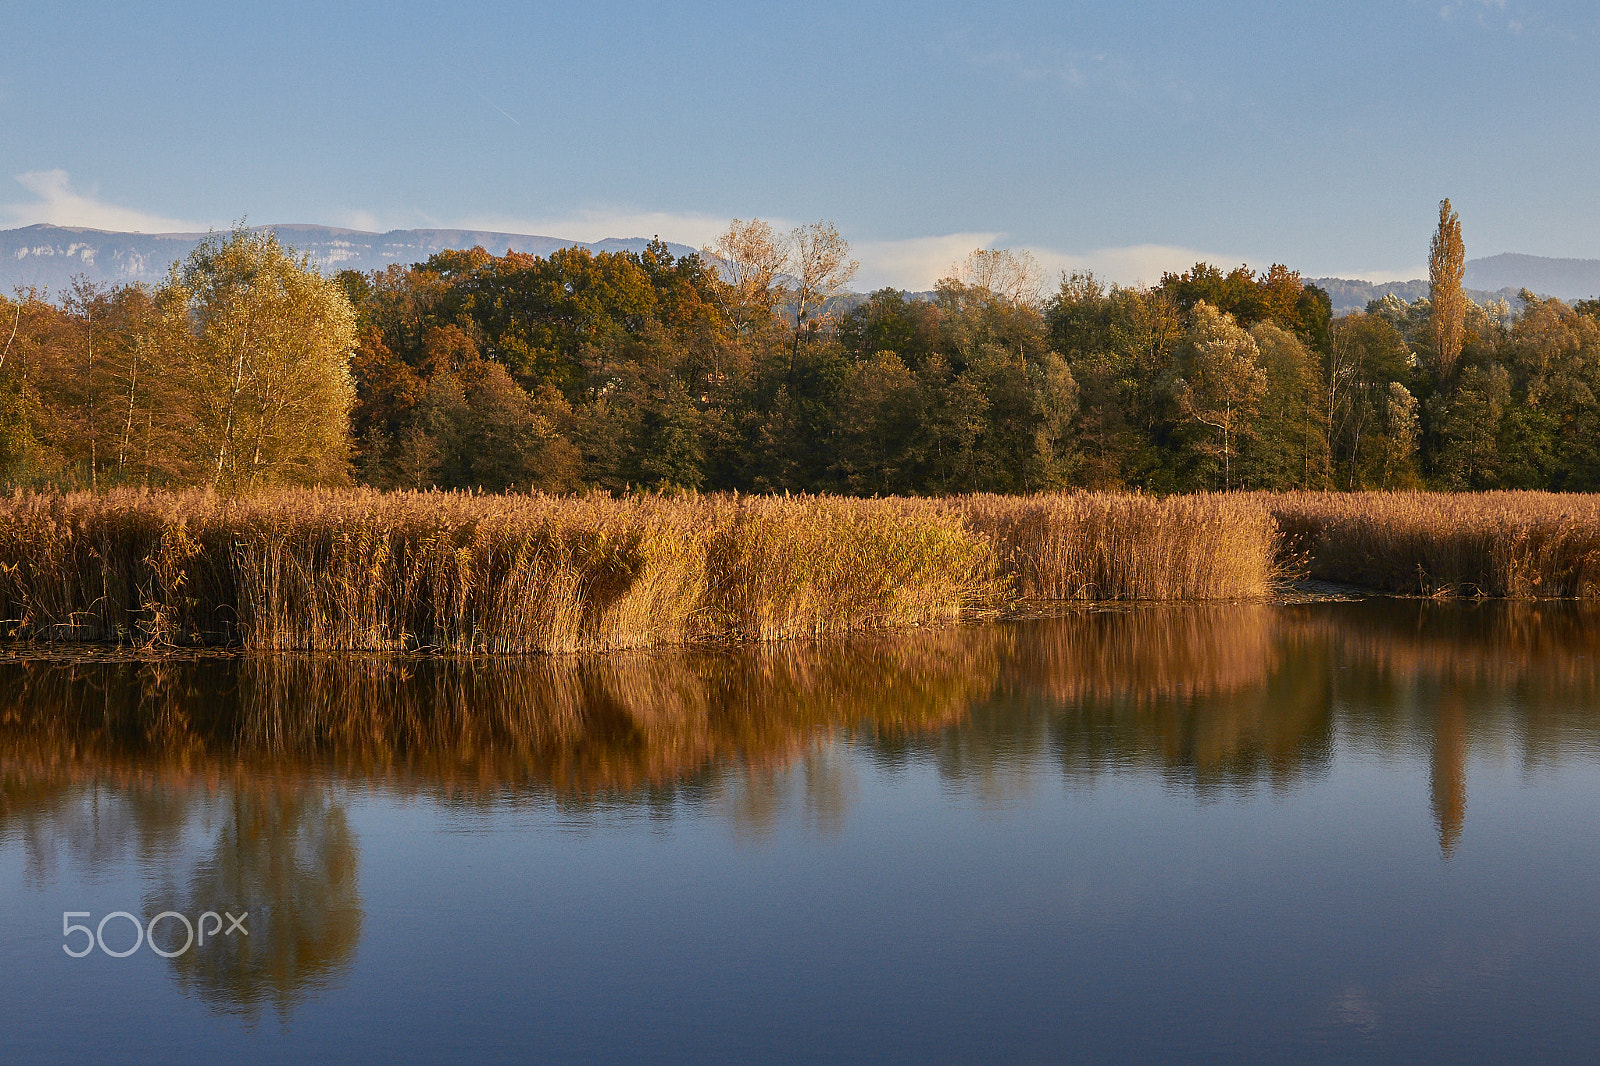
(50, 256)
(1496, 277)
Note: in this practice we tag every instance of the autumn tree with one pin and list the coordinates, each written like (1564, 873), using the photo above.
(264, 361)
(1290, 448)
(1447, 264)
(818, 268)
(1402, 428)
(1011, 276)
(752, 260)
(20, 406)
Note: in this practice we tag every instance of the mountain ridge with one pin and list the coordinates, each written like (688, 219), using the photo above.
(48, 257)
(1494, 277)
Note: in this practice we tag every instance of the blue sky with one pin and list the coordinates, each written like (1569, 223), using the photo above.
(1127, 137)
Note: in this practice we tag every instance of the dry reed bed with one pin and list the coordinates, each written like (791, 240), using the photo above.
(362, 570)
(1504, 544)
(1100, 546)
(324, 570)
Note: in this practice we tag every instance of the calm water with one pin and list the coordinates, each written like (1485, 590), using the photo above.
(1327, 832)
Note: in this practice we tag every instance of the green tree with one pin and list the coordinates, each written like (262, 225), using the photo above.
(1467, 421)
(1289, 448)
(881, 428)
(1549, 437)
(1121, 345)
(482, 431)
(1367, 359)
(1278, 295)
(1221, 386)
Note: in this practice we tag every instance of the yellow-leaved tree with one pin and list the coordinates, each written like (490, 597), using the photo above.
(1447, 265)
(263, 364)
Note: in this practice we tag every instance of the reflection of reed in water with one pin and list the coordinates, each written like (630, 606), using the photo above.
(1203, 693)
(240, 753)
(612, 723)
(577, 724)
(1148, 654)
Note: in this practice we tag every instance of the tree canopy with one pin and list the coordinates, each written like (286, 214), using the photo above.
(749, 367)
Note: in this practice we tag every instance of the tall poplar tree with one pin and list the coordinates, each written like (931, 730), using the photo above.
(1447, 264)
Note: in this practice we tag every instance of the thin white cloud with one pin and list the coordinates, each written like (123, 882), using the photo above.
(1034, 62)
(1490, 13)
(1136, 265)
(914, 264)
(56, 203)
(596, 224)
(357, 219)
(918, 263)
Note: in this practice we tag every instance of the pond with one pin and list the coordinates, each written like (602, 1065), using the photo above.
(1339, 831)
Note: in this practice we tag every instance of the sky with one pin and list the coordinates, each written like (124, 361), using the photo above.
(1127, 138)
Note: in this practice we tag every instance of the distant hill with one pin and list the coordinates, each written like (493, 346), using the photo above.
(1493, 278)
(1348, 296)
(48, 257)
(1565, 279)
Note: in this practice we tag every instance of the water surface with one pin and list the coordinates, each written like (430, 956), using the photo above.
(1324, 832)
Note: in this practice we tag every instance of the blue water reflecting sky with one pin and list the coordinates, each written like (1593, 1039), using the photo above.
(1334, 846)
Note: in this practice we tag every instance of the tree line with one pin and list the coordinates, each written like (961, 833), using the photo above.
(751, 367)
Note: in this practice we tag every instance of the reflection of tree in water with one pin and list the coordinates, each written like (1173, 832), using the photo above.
(1238, 696)
(1449, 677)
(289, 858)
(1447, 771)
(1232, 696)
(280, 850)
(58, 818)
(112, 759)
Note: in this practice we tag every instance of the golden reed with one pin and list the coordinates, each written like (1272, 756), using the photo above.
(364, 570)
(1519, 545)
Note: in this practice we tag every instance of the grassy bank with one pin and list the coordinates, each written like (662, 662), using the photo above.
(1503, 544)
(362, 570)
